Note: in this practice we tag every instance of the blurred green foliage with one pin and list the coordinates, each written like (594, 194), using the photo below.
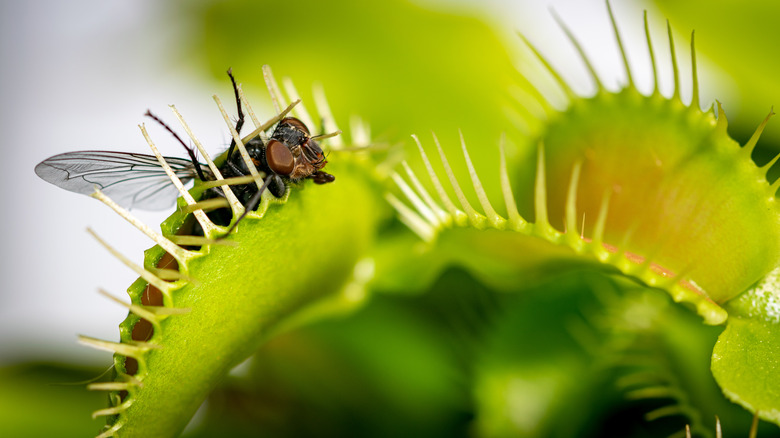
(741, 38)
(48, 399)
(402, 68)
(464, 360)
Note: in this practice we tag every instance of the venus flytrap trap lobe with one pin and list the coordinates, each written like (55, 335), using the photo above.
(645, 186)
(204, 303)
(614, 236)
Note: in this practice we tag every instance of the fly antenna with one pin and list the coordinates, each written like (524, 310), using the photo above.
(190, 150)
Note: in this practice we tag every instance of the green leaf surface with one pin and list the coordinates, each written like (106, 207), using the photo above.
(746, 364)
(294, 255)
(746, 359)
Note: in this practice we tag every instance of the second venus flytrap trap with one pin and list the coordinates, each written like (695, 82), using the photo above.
(644, 186)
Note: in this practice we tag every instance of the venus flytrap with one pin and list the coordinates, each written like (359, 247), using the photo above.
(203, 304)
(644, 186)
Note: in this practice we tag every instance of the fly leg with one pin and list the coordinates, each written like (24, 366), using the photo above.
(254, 201)
(190, 149)
(320, 177)
(240, 121)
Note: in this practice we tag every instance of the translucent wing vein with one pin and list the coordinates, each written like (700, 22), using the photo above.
(132, 180)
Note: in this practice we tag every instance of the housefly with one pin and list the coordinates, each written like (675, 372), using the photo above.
(138, 180)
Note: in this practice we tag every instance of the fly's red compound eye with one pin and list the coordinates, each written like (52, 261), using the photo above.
(279, 158)
(292, 121)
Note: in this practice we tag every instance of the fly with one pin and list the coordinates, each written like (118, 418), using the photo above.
(139, 181)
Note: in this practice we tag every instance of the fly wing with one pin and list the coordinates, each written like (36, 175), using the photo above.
(131, 180)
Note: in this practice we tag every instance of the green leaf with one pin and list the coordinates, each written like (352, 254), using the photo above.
(746, 358)
(746, 364)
